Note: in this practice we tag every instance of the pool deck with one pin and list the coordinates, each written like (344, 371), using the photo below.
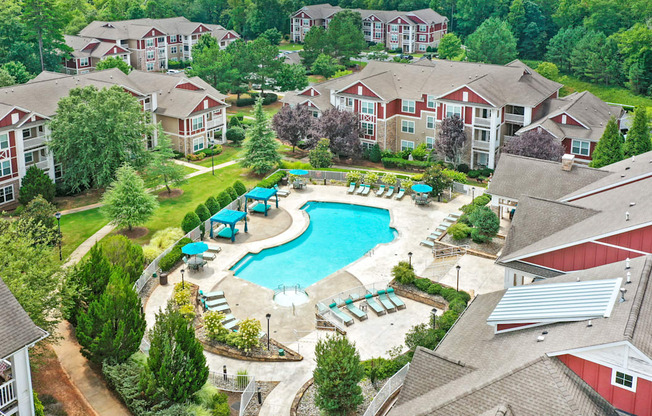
(295, 326)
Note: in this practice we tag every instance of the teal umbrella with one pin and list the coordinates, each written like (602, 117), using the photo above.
(298, 172)
(422, 188)
(193, 249)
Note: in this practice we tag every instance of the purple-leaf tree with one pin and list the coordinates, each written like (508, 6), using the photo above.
(451, 139)
(342, 128)
(536, 143)
(292, 124)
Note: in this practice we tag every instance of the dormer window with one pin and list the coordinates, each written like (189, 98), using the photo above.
(623, 380)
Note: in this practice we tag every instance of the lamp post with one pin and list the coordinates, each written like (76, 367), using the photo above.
(58, 217)
(183, 282)
(433, 312)
(269, 315)
(472, 193)
(410, 258)
(458, 267)
(212, 143)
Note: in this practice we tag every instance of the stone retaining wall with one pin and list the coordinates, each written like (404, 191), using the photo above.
(231, 352)
(297, 398)
(417, 295)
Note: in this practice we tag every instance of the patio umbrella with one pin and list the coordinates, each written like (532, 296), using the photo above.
(421, 188)
(193, 249)
(298, 172)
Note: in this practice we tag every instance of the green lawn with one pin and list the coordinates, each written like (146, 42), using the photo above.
(228, 153)
(610, 94)
(285, 46)
(78, 227)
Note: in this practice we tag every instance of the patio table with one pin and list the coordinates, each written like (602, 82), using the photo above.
(195, 262)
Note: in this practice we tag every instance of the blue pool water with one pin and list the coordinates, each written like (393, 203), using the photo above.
(338, 235)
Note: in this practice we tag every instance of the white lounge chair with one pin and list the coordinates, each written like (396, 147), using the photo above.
(360, 189)
(366, 190)
(380, 190)
(351, 188)
(390, 192)
(400, 194)
(214, 247)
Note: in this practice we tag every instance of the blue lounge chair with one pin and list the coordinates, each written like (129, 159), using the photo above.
(400, 194)
(390, 192)
(360, 189)
(232, 325)
(374, 305)
(366, 190)
(351, 188)
(281, 192)
(357, 312)
(395, 299)
(226, 232)
(380, 190)
(341, 315)
(427, 243)
(385, 301)
(212, 295)
(260, 208)
(215, 302)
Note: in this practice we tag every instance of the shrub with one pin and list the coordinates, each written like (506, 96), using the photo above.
(224, 199)
(434, 289)
(486, 224)
(422, 283)
(464, 219)
(245, 101)
(36, 182)
(474, 174)
(178, 155)
(389, 179)
(481, 200)
(407, 183)
(240, 188)
(213, 324)
(235, 135)
(161, 240)
(215, 150)
(151, 252)
(272, 180)
(212, 205)
(449, 293)
(233, 122)
(195, 156)
(392, 162)
(354, 176)
(463, 167)
(420, 152)
(454, 175)
(459, 231)
(403, 273)
(232, 193)
(190, 222)
(446, 321)
(202, 212)
(478, 237)
(457, 305)
(371, 178)
(468, 210)
(375, 154)
(247, 336)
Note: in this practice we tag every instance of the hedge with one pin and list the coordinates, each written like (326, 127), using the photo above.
(174, 256)
(396, 162)
(232, 193)
(244, 102)
(212, 205)
(224, 199)
(190, 222)
(202, 212)
(240, 188)
(272, 180)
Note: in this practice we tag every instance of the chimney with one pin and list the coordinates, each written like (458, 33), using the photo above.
(567, 162)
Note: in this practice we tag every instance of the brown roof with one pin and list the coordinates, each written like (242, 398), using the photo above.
(139, 28)
(16, 328)
(100, 49)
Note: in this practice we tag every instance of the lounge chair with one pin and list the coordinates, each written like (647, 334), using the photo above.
(260, 208)
(427, 243)
(395, 299)
(400, 194)
(185, 260)
(214, 247)
(281, 192)
(351, 188)
(374, 305)
(390, 192)
(380, 190)
(357, 312)
(366, 190)
(212, 295)
(233, 325)
(385, 301)
(206, 256)
(354, 297)
(435, 235)
(360, 189)
(341, 315)
(455, 215)
(219, 308)
(226, 232)
(215, 302)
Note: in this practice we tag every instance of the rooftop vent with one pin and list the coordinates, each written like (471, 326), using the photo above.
(627, 267)
(622, 294)
(540, 338)
(567, 162)
(627, 216)
(590, 324)
(629, 277)
(631, 204)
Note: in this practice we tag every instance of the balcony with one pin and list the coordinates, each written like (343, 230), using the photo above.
(7, 393)
(508, 138)
(34, 142)
(480, 145)
(480, 121)
(514, 118)
(215, 122)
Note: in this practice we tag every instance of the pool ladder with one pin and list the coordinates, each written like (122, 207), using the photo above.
(283, 289)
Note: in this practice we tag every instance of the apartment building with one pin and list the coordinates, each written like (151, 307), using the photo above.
(191, 112)
(412, 31)
(88, 52)
(152, 43)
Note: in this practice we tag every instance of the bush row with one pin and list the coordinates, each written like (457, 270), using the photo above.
(216, 150)
(174, 256)
(272, 180)
(394, 162)
(268, 98)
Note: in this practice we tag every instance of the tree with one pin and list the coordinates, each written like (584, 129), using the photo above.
(450, 46)
(342, 128)
(202, 212)
(212, 205)
(273, 35)
(248, 335)
(562, 44)
(485, 224)
(90, 148)
(635, 46)
(536, 143)
(162, 167)
(638, 136)
(378, 53)
(423, 335)
(264, 55)
(36, 182)
(239, 187)
(548, 70)
(126, 201)
(45, 25)
(292, 124)
(176, 362)
(236, 135)
(114, 325)
(470, 14)
(403, 272)
(595, 58)
(38, 220)
(570, 13)
(492, 43)
(215, 66)
(345, 35)
(451, 139)
(190, 222)
(337, 375)
(325, 66)
(261, 153)
(610, 147)
(113, 62)
(18, 71)
(321, 157)
(517, 19)
(435, 177)
(125, 254)
(224, 199)
(315, 43)
(6, 79)
(291, 77)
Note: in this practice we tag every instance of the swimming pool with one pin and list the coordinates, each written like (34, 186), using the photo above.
(338, 234)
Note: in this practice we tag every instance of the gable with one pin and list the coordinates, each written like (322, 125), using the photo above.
(152, 33)
(302, 15)
(230, 35)
(416, 19)
(565, 118)
(205, 104)
(465, 92)
(360, 89)
(12, 117)
(309, 103)
(201, 29)
(116, 50)
(90, 46)
(310, 92)
(400, 21)
(187, 86)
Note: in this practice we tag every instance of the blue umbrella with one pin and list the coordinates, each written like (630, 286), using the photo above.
(193, 249)
(421, 188)
(298, 172)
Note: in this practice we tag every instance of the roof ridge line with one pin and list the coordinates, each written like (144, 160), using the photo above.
(635, 311)
(445, 358)
(566, 204)
(547, 363)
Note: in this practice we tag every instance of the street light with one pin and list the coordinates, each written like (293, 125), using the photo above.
(410, 258)
(212, 143)
(458, 267)
(269, 315)
(472, 193)
(433, 312)
(58, 217)
(183, 283)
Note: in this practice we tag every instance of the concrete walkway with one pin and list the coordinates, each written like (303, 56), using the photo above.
(85, 247)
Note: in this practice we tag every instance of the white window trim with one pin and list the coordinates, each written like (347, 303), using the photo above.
(200, 123)
(407, 104)
(31, 157)
(393, 28)
(149, 43)
(11, 169)
(364, 110)
(449, 107)
(434, 122)
(150, 66)
(405, 125)
(2, 136)
(364, 125)
(428, 101)
(4, 193)
(406, 146)
(613, 379)
(173, 39)
(428, 146)
(173, 49)
(588, 153)
(83, 61)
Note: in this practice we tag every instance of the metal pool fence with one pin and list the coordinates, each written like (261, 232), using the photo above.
(391, 386)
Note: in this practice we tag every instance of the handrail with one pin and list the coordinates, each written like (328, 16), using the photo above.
(247, 394)
(7, 393)
(391, 386)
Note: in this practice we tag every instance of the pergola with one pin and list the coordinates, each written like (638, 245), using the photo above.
(261, 194)
(229, 218)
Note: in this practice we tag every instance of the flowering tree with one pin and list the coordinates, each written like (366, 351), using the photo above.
(342, 128)
(451, 139)
(536, 144)
(292, 124)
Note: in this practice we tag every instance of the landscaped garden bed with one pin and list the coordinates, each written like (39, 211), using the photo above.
(307, 407)
(490, 248)
(258, 353)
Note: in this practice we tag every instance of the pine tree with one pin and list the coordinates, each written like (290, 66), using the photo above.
(321, 157)
(638, 137)
(36, 182)
(114, 325)
(610, 147)
(44, 24)
(337, 375)
(162, 167)
(176, 362)
(261, 153)
(127, 202)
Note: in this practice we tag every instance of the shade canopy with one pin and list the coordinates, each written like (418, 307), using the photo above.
(229, 217)
(261, 194)
(298, 172)
(422, 188)
(193, 249)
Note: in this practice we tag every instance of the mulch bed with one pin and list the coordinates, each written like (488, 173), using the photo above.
(492, 248)
(307, 406)
(135, 232)
(174, 193)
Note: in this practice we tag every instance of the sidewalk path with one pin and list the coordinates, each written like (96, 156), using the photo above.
(85, 247)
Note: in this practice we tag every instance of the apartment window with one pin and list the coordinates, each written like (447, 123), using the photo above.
(580, 147)
(430, 122)
(27, 133)
(150, 55)
(407, 106)
(378, 25)
(161, 52)
(58, 171)
(430, 142)
(173, 49)
(367, 24)
(422, 47)
(150, 66)
(315, 113)
(407, 126)
(349, 102)
(173, 38)
(366, 145)
(393, 28)
(29, 158)
(197, 123)
(422, 38)
(430, 101)
(306, 22)
(149, 43)
(83, 61)
(197, 144)
(423, 28)
(161, 40)
(394, 38)
(367, 33)
(378, 35)
(453, 110)
(406, 144)
(367, 107)
(5, 167)
(367, 128)
(6, 194)
(624, 380)
(482, 135)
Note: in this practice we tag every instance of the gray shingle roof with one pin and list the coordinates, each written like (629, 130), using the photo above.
(320, 11)
(98, 51)
(16, 329)
(519, 175)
